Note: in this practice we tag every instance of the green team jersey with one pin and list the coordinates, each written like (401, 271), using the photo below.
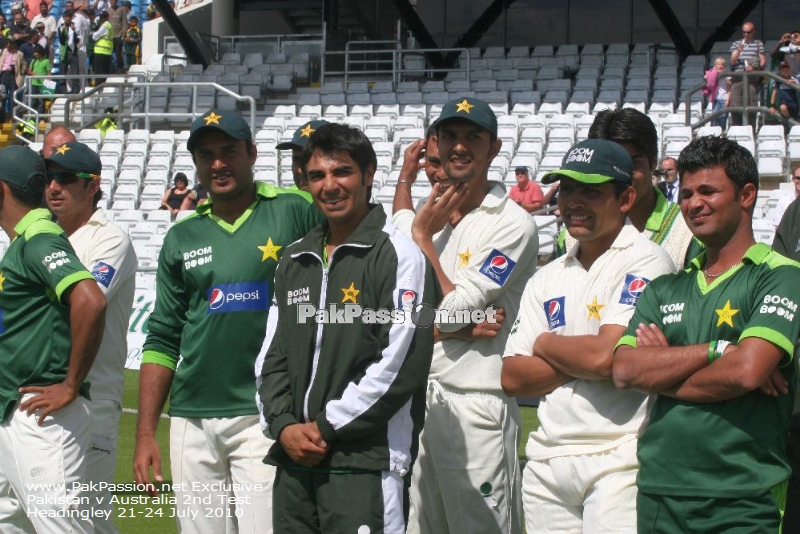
(214, 289)
(35, 339)
(734, 448)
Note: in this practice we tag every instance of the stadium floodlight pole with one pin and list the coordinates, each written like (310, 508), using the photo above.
(193, 51)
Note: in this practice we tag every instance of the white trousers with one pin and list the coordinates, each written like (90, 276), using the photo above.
(466, 478)
(222, 484)
(592, 493)
(101, 462)
(42, 469)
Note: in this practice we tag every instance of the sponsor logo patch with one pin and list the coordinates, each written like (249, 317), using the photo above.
(103, 273)
(498, 267)
(406, 299)
(554, 311)
(243, 296)
(632, 289)
(55, 260)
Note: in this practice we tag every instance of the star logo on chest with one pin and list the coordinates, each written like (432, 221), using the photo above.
(2, 279)
(270, 250)
(594, 309)
(350, 293)
(463, 258)
(726, 314)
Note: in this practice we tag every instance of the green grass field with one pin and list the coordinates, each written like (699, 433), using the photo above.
(146, 518)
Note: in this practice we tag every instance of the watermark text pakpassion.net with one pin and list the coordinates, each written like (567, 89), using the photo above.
(422, 315)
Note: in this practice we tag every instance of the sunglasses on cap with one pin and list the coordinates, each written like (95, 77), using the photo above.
(66, 177)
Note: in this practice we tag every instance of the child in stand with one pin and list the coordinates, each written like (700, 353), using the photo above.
(39, 66)
(132, 43)
(718, 91)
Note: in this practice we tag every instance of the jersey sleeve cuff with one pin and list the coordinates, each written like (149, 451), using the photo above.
(70, 280)
(326, 429)
(159, 358)
(279, 423)
(773, 337)
(628, 341)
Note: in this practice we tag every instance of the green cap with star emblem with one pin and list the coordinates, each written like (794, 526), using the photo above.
(76, 157)
(225, 120)
(470, 109)
(301, 135)
(18, 164)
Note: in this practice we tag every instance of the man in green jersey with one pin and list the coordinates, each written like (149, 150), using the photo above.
(715, 341)
(215, 277)
(51, 323)
(652, 214)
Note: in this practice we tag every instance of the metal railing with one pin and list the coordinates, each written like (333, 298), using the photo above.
(376, 64)
(127, 100)
(746, 109)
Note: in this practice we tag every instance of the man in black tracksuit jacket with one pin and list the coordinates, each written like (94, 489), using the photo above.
(345, 400)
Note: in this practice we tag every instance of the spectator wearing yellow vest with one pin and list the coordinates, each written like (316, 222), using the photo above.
(103, 47)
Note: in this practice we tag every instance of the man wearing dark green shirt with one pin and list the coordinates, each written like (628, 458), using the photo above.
(51, 323)
(215, 284)
(715, 342)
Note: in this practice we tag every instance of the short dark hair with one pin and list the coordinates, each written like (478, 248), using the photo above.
(32, 195)
(711, 151)
(181, 177)
(332, 138)
(627, 125)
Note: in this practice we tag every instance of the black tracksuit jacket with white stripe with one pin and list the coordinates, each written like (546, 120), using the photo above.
(362, 383)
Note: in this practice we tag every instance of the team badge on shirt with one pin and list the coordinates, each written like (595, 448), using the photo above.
(350, 293)
(632, 289)
(497, 267)
(554, 311)
(269, 250)
(103, 273)
(725, 315)
(406, 299)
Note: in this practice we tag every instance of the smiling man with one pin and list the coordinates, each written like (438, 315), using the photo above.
(345, 413)
(72, 194)
(715, 342)
(215, 284)
(483, 248)
(651, 214)
(581, 471)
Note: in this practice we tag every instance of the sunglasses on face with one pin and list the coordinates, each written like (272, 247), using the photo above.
(66, 178)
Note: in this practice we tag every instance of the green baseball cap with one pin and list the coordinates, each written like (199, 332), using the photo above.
(227, 121)
(301, 135)
(469, 109)
(594, 161)
(18, 164)
(76, 157)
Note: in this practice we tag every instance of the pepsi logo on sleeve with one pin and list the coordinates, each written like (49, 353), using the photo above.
(554, 311)
(103, 273)
(632, 289)
(497, 267)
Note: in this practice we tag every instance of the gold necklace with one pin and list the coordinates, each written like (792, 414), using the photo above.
(723, 272)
